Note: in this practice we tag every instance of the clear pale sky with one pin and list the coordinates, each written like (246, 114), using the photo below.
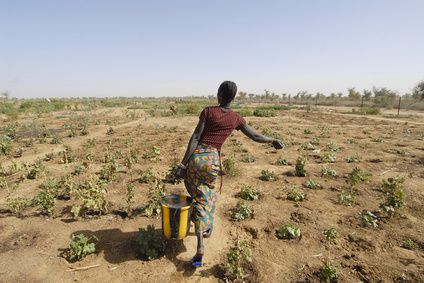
(101, 48)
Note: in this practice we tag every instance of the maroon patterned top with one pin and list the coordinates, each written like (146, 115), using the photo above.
(220, 123)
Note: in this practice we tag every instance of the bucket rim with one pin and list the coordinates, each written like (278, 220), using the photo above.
(187, 197)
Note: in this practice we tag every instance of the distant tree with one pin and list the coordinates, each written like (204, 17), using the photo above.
(319, 95)
(418, 92)
(339, 95)
(353, 94)
(284, 95)
(251, 95)
(5, 95)
(332, 95)
(242, 95)
(367, 94)
(384, 96)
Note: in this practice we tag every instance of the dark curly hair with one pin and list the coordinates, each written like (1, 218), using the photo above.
(228, 91)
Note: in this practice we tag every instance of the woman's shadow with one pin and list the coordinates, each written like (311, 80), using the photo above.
(119, 247)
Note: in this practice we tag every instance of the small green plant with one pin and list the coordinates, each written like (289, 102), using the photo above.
(146, 175)
(288, 231)
(230, 166)
(307, 146)
(263, 112)
(18, 204)
(300, 167)
(5, 145)
(249, 193)
(80, 247)
(281, 161)
(347, 198)
(150, 243)
(409, 244)
(35, 170)
(328, 172)
(328, 273)
(353, 158)
(108, 171)
(237, 258)
(331, 234)
(47, 195)
(331, 146)
(270, 133)
(394, 195)
(368, 219)
(328, 158)
(247, 158)
(157, 190)
(357, 176)
(268, 175)
(351, 141)
(110, 131)
(67, 155)
(241, 211)
(93, 198)
(307, 131)
(295, 195)
(312, 184)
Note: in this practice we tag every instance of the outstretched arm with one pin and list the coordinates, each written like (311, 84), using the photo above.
(194, 141)
(253, 135)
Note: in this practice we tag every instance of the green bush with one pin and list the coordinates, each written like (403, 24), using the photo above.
(260, 112)
(5, 145)
(80, 247)
(237, 258)
(371, 111)
(230, 167)
(300, 167)
(394, 195)
(268, 176)
(150, 243)
(330, 234)
(328, 273)
(241, 211)
(288, 231)
(249, 193)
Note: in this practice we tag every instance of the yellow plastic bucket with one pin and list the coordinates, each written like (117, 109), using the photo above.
(176, 215)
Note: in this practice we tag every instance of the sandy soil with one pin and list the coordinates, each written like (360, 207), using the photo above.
(32, 245)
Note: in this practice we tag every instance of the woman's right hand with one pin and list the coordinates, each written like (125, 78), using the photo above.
(277, 144)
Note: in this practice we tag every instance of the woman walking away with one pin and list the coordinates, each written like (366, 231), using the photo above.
(200, 166)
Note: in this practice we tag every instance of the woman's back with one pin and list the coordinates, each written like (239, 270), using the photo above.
(219, 124)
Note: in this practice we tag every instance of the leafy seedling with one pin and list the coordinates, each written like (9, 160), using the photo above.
(295, 195)
(394, 195)
(312, 184)
(268, 175)
(230, 167)
(331, 234)
(300, 167)
(249, 193)
(347, 198)
(288, 231)
(237, 258)
(150, 243)
(328, 273)
(368, 219)
(242, 211)
(80, 247)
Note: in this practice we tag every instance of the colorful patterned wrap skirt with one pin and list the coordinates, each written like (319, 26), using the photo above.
(202, 172)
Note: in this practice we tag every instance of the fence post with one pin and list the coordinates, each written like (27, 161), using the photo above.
(400, 99)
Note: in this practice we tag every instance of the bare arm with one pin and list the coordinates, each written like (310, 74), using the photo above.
(253, 135)
(194, 141)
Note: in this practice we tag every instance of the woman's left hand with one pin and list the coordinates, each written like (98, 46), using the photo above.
(277, 144)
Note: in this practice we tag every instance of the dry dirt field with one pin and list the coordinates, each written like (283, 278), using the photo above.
(33, 245)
